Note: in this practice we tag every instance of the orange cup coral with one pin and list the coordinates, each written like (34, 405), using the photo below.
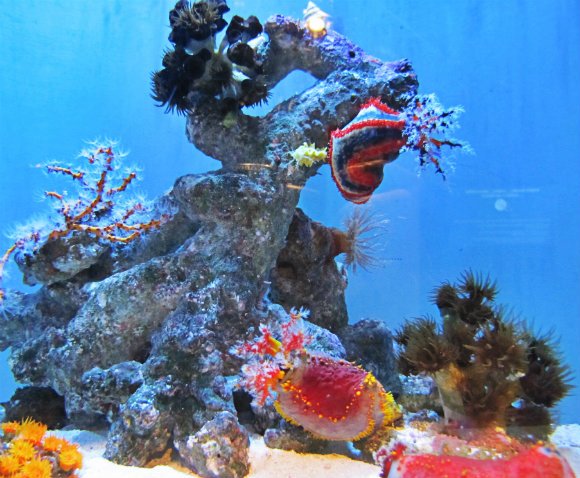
(32, 431)
(70, 458)
(36, 469)
(9, 465)
(28, 453)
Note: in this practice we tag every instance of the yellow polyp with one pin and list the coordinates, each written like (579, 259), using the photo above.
(70, 458)
(36, 468)
(391, 411)
(275, 344)
(10, 428)
(370, 428)
(307, 154)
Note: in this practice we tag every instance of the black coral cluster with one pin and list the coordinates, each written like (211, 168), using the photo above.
(231, 72)
(490, 369)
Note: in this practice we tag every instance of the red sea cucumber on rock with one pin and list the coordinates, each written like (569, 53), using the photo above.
(332, 399)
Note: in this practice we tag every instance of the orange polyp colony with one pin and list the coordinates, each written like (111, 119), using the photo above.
(10, 428)
(28, 453)
(9, 465)
(22, 450)
(70, 458)
(32, 431)
(36, 469)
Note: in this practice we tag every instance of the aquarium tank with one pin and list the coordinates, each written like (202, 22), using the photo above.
(343, 229)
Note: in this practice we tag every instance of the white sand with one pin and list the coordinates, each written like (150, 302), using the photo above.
(270, 463)
(266, 463)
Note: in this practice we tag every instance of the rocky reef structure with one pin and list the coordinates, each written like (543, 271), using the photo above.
(139, 335)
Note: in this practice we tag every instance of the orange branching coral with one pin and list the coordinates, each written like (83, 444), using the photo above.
(28, 453)
(332, 399)
(96, 206)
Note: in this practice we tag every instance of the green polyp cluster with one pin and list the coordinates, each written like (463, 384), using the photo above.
(490, 369)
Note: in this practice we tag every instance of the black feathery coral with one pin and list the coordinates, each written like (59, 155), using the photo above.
(425, 349)
(242, 54)
(232, 72)
(469, 300)
(253, 93)
(170, 90)
(221, 74)
(195, 22)
(240, 30)
(171, 84)
(547, 380)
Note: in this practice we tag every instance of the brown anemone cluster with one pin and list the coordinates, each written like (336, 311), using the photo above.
(231, 71)
(490, 369)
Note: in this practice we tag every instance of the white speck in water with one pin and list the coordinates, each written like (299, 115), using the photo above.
(500, 204)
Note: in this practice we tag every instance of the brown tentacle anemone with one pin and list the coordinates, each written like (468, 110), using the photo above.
(359, 240)
(489, 368)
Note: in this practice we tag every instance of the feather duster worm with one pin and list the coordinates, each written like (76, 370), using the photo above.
(535, 462)
(332, 399)
(376, 136)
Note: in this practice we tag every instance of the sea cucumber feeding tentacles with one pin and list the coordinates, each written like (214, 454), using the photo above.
(332, 399)
(375, 137)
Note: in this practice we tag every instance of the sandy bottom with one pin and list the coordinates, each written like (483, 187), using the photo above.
(266, 463)
(270, 463)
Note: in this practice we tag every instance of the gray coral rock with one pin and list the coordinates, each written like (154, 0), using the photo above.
(219, 449)
(144, 334)
(370, 343)
(306, 274)
(62, 259)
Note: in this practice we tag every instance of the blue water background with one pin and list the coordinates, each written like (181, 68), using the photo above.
(75, 70)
